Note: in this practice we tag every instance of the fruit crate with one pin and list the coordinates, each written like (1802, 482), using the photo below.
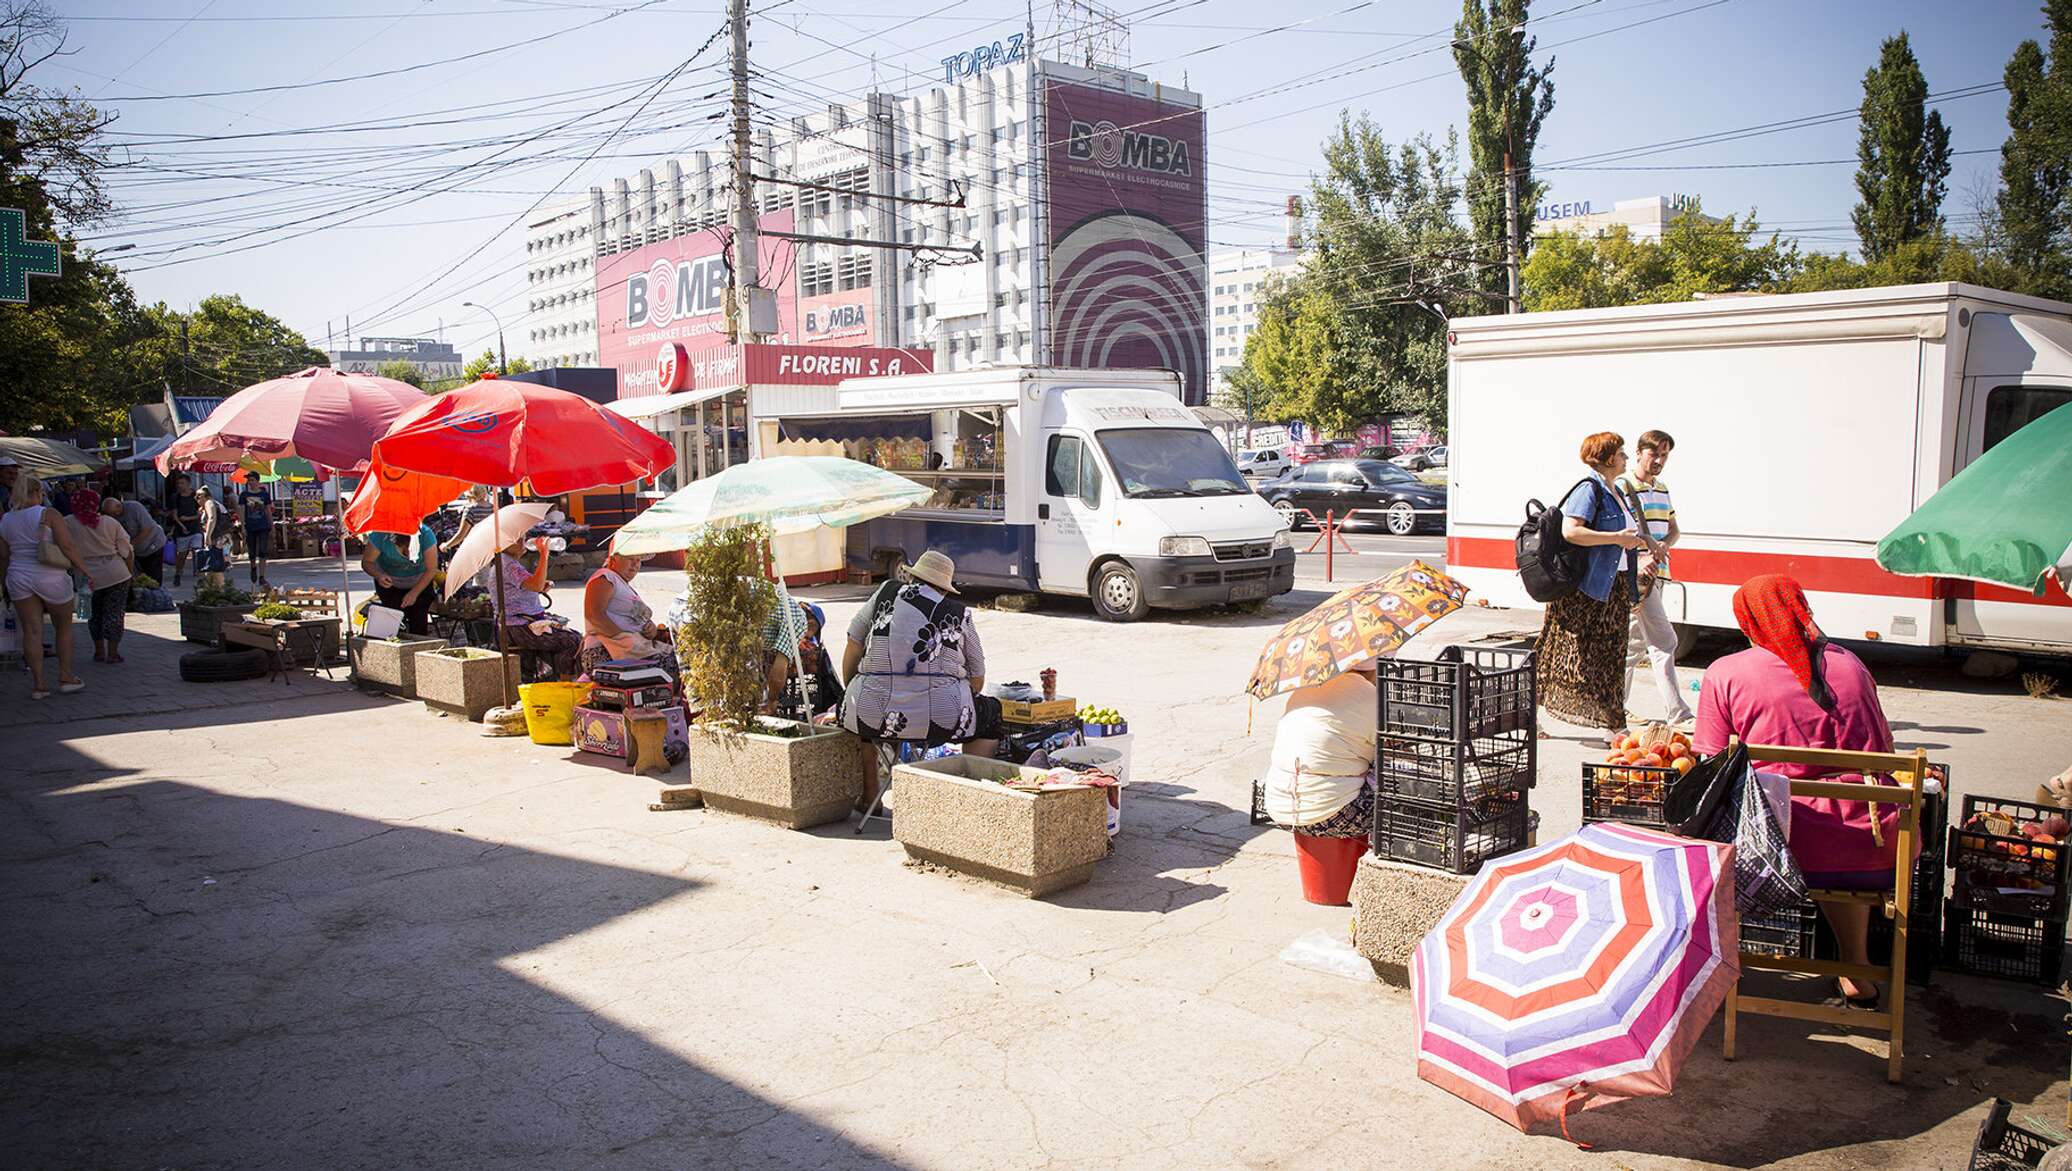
(1458, 773)
(1454, 838)
(1792, 933)
(2011, 947)
(2004, 1145)
(1466, 694)
(2011, 867)
(1629, 793)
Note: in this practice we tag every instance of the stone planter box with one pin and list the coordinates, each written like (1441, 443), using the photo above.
(1395, 905)
(796, 782)
(205, 623)
(953, 812)
(387, 666)
(464, 680)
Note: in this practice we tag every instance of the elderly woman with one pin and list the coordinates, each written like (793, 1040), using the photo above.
(616, 623)
(916, 673)
(1320, 780)
(1582, 644)
(104, 545)
(1794, 688)
(35, 585)
(528, 625)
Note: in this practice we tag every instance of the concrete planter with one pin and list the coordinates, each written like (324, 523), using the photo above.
(953, 812)
(1396, 904)
(798, 783)
(464, 680)
(205, 623)
(380, 664)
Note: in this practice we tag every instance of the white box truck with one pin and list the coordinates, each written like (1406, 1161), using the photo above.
(1094, 483)
(1807, 427)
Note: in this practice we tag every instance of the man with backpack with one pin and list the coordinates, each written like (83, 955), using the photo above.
(1652, 633)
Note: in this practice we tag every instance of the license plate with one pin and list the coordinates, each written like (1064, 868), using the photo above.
(1247, 590)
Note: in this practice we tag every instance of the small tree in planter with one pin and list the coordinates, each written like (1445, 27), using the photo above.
(742, 761)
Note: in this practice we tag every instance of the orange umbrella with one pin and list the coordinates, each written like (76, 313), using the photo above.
(1355, 625)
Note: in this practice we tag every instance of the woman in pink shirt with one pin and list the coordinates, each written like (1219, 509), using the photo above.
(1794, 688)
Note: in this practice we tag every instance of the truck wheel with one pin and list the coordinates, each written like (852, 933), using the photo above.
(1402, 519)
(1118, 595)
(1687, 636)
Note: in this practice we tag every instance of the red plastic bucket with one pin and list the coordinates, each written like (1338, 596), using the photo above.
(1328, 866)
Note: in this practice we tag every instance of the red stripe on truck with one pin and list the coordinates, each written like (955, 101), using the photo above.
(1829, 575)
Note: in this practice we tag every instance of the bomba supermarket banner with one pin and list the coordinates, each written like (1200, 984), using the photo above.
(675, 291)
(1128, 266)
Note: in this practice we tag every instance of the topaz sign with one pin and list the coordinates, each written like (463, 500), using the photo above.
(980, 58)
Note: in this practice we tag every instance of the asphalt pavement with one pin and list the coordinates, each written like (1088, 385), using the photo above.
(1358, 557)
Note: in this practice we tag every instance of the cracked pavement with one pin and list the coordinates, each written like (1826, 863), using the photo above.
(255, 925)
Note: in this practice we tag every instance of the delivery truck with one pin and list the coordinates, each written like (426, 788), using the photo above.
(1807, 426)
(1092, 483)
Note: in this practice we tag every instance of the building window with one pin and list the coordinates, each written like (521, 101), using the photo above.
(854, 272)
(816, 280)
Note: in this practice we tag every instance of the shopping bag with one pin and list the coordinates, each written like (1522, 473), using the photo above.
(1767, 878)
(550, 710)
(10, 634)
(1693, 801)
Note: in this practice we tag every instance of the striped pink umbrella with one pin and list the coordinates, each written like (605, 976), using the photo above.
(321, 415)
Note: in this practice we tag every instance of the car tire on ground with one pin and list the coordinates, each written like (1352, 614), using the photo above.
(1289, 512)
(215, 666)
(1401, 518)
(1117, 593)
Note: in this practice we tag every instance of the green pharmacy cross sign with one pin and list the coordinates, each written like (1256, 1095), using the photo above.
(21, 257)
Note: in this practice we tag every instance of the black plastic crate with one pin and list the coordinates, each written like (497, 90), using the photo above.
(2004, 1145)
(1467, 693)
(1924, 925)
(2011, 947)
(1455, 838)
(1791, 933)
(1459, 773)
(2011, 865)
(1629, 793)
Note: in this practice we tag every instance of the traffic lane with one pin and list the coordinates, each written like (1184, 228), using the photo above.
(1372, 554)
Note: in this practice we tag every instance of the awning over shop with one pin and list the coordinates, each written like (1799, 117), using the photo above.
(647, 406)
(146, 450)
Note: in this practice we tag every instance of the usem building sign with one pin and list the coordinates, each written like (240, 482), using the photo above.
(1128, 272)
(675, 291)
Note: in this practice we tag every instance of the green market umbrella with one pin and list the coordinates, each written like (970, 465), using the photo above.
(790, 493)
(2006, 519)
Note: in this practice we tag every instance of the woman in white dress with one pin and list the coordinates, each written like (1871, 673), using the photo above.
(36, 588)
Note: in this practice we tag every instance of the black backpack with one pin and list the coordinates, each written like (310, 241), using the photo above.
(1549, 565)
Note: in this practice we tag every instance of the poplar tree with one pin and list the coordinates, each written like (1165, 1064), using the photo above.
(1903, 155)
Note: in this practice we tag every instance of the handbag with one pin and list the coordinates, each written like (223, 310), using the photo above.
(53, 554)
(1692, 803)
(1767, 878)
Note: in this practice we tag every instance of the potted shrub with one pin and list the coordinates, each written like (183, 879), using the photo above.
(389, 665)
(464, 680)
(794, 774)
(956, 812)
(202, 619)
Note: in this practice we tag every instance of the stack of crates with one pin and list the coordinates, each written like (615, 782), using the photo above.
(2007, 909)
(1456, 755)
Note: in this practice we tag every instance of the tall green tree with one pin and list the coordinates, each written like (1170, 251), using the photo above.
(1902, 153)
(228, 345)
(487, 364)
(1508, 101)
(2033, 211)
(1696, 255)
(50, 138)
(401, 371)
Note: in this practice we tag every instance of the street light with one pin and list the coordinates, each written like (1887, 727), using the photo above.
(1512, 301)
(503, 363)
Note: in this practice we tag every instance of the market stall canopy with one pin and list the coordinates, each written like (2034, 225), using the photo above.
(2006, 519)
(790, 493)
(1354, 626)
(500, 433)
(145, 453)
(321, 415)
(647, 406)
(1580, 972)
(489, 535)
(50, 457)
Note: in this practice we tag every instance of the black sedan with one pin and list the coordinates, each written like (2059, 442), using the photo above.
(1376, 494)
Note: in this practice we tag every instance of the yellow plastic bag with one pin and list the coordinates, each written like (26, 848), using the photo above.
(550, 710)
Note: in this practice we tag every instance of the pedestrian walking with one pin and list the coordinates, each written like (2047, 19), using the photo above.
(183, 509)
(101, 542)
(35, 553)
(255, 510)
(216, 524)
(1651, 634)
(1581, 667)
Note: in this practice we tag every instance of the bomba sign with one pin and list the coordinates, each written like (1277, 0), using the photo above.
(672, 290)
(1108, 145)
(675, 292)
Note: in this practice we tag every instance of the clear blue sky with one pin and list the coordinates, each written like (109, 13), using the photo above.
(383, 229)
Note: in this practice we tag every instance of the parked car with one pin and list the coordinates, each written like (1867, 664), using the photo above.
(1423, 458)
(1262, 464)
(1378, 453)
(1378, 493)
(1312, 452)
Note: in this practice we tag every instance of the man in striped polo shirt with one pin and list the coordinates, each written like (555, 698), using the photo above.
(1651, 632)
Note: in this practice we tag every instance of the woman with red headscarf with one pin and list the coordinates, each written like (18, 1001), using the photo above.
(1794, 688)
(104, 545)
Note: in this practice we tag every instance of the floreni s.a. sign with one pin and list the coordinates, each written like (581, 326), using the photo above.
(980, 58)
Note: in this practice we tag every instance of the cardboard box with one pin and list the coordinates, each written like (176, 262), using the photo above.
(1041, 711)
(653, 695)
(603, 731)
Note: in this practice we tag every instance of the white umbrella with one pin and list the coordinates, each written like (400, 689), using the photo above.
(488, 537)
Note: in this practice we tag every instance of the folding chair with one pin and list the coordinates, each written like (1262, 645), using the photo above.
(882, 748)
(1908, 770)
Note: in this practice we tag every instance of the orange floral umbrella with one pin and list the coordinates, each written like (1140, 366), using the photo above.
(1355, 625)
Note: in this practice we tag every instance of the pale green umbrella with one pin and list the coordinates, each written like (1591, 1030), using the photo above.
(790, 493)
(2006, 519)
(50, 457)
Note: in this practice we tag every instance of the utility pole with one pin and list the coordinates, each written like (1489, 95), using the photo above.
(1512, 302)
(185, 365)
(747, 249)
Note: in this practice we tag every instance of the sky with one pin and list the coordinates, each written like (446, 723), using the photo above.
(235, 176)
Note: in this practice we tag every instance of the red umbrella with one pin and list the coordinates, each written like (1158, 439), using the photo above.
(499, 432)
(321, 415)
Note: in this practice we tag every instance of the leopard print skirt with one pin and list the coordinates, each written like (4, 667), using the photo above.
(1582, 657)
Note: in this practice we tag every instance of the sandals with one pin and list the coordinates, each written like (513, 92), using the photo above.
(39, 693)
(1865, 1000)
(72, 688)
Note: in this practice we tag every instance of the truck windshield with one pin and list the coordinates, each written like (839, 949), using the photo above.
(1170, 461)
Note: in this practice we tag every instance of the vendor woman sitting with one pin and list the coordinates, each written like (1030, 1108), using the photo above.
(528, 626)
(616, 623)
(1321, 777)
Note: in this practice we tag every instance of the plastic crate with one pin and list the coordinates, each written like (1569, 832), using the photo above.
(1454, 838)
(1924, 925)
(1629, 793)
(1460, 773)
(2010, 865)
(1791, 933)
(2011, 947)
(2004, 1145)
(1467, 693)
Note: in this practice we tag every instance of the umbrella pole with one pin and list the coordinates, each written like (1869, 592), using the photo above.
(345, 579)
(503, 672)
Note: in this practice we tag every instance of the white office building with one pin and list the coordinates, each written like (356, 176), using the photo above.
(1239, 281)
(434, 360)
(1643, 219)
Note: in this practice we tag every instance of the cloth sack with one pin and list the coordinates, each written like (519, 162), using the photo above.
(1767, 878)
